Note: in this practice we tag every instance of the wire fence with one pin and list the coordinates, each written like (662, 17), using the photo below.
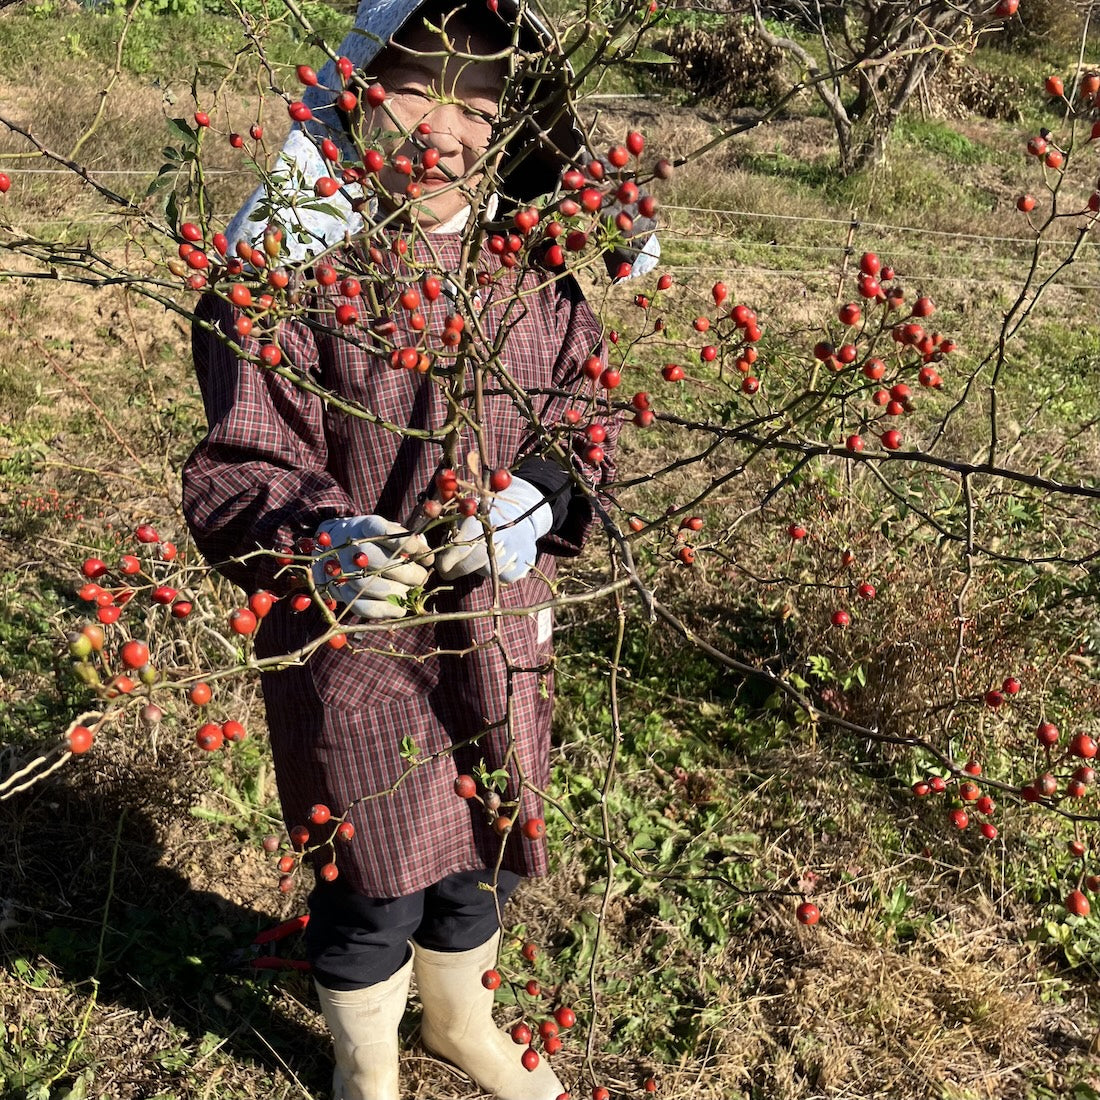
(800, 259)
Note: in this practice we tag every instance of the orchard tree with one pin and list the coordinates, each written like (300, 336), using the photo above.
(870, 57)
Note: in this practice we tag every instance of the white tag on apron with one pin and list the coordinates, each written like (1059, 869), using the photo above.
(545, 623)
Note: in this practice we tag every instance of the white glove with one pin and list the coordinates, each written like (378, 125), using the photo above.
(396, 562)
(519, 516)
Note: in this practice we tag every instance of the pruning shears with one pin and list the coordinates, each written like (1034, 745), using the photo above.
(261, 952)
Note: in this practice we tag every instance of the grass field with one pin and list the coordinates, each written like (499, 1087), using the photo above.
(945, 966)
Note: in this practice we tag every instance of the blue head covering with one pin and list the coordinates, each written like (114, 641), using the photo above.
(290, 199)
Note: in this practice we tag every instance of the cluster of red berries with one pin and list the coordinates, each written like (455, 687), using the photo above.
(1049, 153)
(722, 338)
(1058, 781)
(1076, 902)
(111, 670)
(967, 793)
(525, 1032)
(865, 325)
(115, 665)
(498, 810)
(840, 617)
(303, 843)
(683, 549)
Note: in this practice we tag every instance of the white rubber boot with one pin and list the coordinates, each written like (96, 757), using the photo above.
(364, 1026)
(458, 1025)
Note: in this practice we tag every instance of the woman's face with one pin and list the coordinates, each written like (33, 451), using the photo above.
(455, 97)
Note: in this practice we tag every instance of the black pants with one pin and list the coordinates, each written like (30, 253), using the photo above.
(355, 941)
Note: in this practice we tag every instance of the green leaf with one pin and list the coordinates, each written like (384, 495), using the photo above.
(182, 129)
(644, 56)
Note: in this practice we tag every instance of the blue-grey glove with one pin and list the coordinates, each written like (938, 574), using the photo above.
(518, 517)
(396, 562)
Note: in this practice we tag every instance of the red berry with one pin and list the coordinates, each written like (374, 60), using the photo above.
(134, 654)
(260, 603)
(796, 531)
(319, 813)
(307, 76)
(959, 818)
(1077, 904)
(1047, 734)
(329, 872)
(490, 979)
(93, 568)
(1037, 146)
(1083, 746)
(530, 1060)
(80, 740)
(345, 830)
(565, 1016)
(210, 737)
(242, 621)
(521, 1034)
(870, 264)
(841, 618)
(534, 828)
(233, 731)
(500, 479)
(808, 913)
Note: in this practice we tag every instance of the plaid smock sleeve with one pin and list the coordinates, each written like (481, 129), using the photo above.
(259, 480)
